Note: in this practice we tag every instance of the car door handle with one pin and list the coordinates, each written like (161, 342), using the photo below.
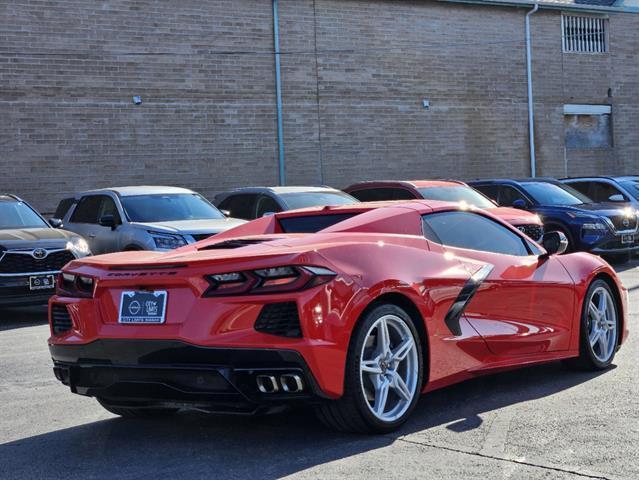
(91, 235)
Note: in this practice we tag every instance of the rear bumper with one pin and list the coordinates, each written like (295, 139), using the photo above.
(181, 375)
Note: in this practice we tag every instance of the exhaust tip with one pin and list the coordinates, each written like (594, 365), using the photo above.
(267, 384)
(291, 383)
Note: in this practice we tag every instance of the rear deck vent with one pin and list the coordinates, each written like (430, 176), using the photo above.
(237, 243)
(280, 319)
(60, 319)
(198, 237)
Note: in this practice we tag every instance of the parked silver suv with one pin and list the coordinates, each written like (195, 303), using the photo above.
(141, 218)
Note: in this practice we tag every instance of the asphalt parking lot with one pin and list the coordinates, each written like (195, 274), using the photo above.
(540, 423)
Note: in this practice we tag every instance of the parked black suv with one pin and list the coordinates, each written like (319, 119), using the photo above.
(32, 253)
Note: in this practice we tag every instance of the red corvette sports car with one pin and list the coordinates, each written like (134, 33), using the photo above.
(357, 318)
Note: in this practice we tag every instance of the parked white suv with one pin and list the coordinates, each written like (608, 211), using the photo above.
(141, 218)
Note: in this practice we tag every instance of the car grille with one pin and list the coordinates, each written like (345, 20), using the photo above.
(14, 291)
(22, 291)
(24, 263)
(279, 319)
(60, 319)
(533, 231)
(618, 222)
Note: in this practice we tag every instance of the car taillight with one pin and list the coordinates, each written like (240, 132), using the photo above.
(71, 285)
(267, 280)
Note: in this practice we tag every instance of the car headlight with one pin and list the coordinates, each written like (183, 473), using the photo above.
(581, 215)
(166, 241)
(594, 226)
(79, 247)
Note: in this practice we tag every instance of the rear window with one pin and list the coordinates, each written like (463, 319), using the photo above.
(312, 223)
(63, 208)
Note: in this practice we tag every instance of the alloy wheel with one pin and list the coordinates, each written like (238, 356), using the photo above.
(602, 324)
(389, 368)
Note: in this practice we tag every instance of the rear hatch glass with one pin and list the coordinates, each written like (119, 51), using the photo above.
(312, 223)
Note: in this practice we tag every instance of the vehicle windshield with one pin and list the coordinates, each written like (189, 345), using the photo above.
(553, 194)
(14, 214)
(169, 208)
(633, 187)
(456, 193)
(315, 199)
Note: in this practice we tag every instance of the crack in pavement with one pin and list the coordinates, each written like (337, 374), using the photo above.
(506, 459)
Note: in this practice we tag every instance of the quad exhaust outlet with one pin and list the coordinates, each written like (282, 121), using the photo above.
(287, 382)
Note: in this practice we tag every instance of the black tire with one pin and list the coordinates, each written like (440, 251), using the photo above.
(137, 412)
(351, 412)
(587, 359)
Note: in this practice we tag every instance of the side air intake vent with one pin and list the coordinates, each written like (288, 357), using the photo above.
(60, 319)
(280, 319)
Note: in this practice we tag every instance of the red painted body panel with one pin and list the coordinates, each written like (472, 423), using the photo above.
(525, 306)
(526, 312)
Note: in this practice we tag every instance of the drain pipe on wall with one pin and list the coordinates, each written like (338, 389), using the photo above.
(531, 107)
(278, 91)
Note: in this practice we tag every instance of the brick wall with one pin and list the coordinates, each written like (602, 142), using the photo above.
(354, 72)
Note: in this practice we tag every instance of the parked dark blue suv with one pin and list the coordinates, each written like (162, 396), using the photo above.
(603, 228)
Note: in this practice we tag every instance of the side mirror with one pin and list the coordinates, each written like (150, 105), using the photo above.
(108, 221)
(555, 243)
(617, 197)
(226, 213)
(55, 222)
(520, 204)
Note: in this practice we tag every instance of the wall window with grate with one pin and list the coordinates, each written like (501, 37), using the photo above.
(584, 34)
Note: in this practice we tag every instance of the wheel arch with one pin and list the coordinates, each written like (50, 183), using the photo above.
(408, 305)
(606, 277)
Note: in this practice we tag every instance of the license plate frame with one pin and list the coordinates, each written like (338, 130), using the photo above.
(627, 239)
(143, 307)
(41, 282)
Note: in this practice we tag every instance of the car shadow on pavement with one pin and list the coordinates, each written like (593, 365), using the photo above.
(194, 445)
(625, 266)
(11, 318)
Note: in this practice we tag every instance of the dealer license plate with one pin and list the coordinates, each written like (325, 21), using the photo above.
(627, 239)
(142, 307)
(41, 282)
